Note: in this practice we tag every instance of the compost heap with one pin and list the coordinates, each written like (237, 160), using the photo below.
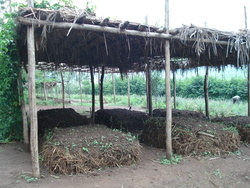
(60, 117)
(85, 148)
(242, 123)
(191, 135)
(122, 119)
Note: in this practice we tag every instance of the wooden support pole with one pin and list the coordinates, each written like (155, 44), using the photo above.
(45, 88)
(174, 84)
(32, 102)
(93, 94)
(113, 83)
(63, 89)
(206, 92)
(128, 91)
(24, 115)
(168, 92)
(149, 89)
(80, 86)
(101, 88)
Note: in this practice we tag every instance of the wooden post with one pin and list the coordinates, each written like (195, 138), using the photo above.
(168, 92)
(24, 115)
(248, 77)
(206, 92)
(32, 102)
(45, 88)
(174, 84)
(63, 89)
(128, 91)
(113, 82)
(80, 86)
(101, 88)
(93, 94)
(149, 88)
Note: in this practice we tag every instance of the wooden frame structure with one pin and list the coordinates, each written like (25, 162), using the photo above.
(73, 37)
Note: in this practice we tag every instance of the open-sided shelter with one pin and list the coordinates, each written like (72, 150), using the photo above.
(75, 39)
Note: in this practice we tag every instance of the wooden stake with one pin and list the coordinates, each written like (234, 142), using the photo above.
(168, 92)
(32, 102)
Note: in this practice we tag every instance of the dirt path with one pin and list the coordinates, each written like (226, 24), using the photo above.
(230, 171)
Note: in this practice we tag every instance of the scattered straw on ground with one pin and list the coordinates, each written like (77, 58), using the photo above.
(191, 136)
(84, 148)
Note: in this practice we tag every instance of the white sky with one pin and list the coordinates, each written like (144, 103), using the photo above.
(227, 15)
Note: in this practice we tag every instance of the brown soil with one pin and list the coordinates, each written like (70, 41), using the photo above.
(231, 170)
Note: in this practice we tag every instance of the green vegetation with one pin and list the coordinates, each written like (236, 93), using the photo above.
(10, 113)
(175, 159)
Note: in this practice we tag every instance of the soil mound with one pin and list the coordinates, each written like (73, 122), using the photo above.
(60, 117)
(121, 119)
(85, 148)
(191, 136)
(177, 113)
(242, 123)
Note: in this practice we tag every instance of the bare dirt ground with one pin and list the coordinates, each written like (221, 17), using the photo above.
(231, 171)
(228, 171)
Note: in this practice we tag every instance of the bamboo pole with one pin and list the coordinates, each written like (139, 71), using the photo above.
(93, 94)
(101, 88)
(32, 102)
(206, 92)
(168, 92)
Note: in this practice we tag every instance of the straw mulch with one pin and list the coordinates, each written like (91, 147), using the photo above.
(242, 123)
(59, 117)
(126, 120)
(191, 136)
(85, 148)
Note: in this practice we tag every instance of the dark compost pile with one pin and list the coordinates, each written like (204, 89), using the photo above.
(121, 119)
(191, 135)
(60, 117)
(176, 113)
(242, 123)
(82, 149)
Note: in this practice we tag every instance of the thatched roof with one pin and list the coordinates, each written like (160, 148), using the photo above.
(75, 39)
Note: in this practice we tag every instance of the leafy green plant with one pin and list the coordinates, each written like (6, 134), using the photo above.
(175, 159)
(10, 111)
(28, 178)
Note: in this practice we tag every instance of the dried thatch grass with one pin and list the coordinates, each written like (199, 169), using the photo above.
(191, 137)
(85, 148)
(79, 48)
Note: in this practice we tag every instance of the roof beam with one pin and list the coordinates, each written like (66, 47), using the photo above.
(31, 21)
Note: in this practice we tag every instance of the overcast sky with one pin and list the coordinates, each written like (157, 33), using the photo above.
(227, 15)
